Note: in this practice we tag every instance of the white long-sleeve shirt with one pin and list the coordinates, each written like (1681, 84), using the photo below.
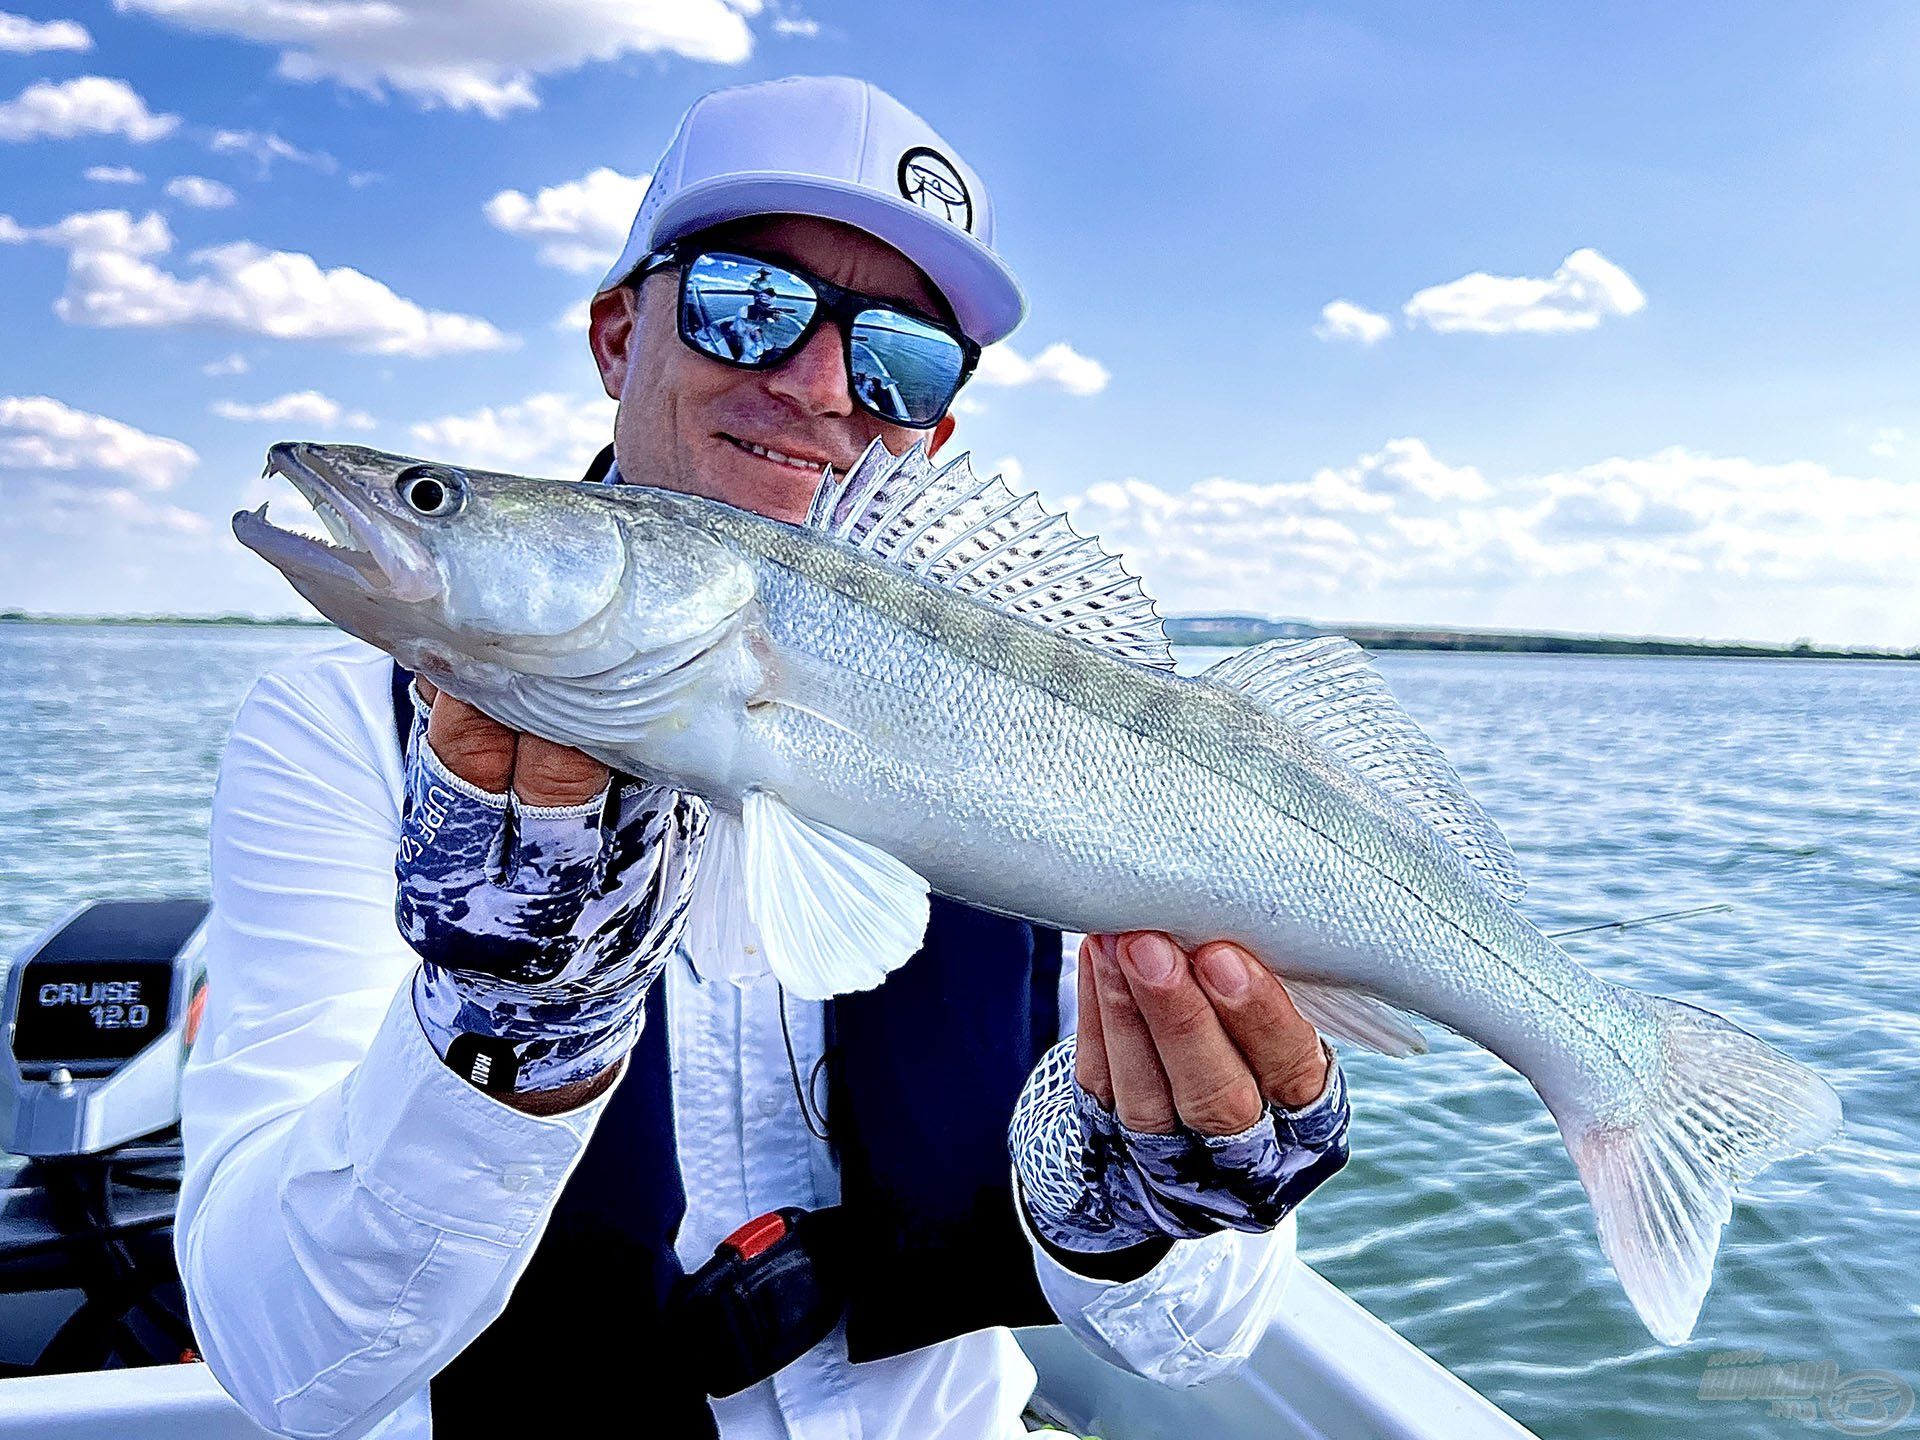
(353, 1213)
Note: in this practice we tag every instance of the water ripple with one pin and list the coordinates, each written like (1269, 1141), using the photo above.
(1627, 785)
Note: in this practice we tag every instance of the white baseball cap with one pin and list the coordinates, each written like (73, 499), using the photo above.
(840, 149)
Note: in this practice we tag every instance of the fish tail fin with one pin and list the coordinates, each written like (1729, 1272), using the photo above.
(1726, 1107)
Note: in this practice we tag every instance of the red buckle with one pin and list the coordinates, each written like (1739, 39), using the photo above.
(757, 1235)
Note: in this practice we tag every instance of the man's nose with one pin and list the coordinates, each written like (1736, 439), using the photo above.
(815, 380)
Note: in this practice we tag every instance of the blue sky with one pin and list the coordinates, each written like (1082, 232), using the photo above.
(1629, 342)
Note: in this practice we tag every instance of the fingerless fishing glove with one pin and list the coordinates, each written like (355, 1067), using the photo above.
(1092, 1185)
(539, 930)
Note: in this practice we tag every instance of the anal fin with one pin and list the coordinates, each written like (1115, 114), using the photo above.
(1356, 1017)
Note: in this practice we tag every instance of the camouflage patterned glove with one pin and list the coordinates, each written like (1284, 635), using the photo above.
(1092, 1185)
(539, 930)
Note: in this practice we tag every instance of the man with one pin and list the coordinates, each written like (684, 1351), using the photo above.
(457, 1183)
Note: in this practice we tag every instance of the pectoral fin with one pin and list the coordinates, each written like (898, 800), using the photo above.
(721, 937)
(835, 913)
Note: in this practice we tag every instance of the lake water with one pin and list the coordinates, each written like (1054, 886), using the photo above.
(1789, 790)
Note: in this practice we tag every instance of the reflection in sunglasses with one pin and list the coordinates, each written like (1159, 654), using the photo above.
(751, 312)
(874, 383)
(747, 326)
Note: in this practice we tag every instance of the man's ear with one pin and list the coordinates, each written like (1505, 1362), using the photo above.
(615, 316)
(938, 436)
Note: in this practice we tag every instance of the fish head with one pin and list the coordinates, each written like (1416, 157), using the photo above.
(473, 578)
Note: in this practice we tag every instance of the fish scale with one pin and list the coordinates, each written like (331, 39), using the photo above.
(1232, 759)
(872, 703)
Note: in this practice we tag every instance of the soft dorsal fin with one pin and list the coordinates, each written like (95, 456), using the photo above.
(979, 538)
(1328, 690)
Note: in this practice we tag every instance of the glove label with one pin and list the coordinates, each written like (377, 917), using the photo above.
(488, 1064)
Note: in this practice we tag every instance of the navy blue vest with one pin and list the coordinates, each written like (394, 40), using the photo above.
(922, 1076)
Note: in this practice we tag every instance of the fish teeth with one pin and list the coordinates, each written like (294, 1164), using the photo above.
(297, 515)
(332, 519)
(339, 535)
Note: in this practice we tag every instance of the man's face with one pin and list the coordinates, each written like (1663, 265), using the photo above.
(683, 417)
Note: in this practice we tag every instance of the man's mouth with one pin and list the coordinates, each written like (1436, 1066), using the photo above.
(803, 464)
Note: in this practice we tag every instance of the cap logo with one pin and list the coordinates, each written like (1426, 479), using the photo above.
(928, 179)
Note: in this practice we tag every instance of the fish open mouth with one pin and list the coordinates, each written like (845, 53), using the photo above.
(357, 547)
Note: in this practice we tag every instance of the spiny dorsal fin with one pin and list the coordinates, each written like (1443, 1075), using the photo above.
(980, 539)
(1328, 690)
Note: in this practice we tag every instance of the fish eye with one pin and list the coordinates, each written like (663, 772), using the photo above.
(431, 490)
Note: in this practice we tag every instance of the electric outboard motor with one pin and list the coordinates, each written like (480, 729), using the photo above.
(99, 1014)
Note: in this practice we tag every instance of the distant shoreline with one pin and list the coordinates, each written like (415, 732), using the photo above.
(1229, 632)
(1237, 631)
(21, 617)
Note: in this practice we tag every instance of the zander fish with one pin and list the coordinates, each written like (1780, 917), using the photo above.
(935, 683)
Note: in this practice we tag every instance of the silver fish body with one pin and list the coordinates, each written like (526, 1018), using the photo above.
(1041, 777)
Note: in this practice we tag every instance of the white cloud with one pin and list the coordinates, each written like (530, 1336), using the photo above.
(1675, 542)
(1059, 365)
(200, 192)
(77, 511)
(85, 105)
(109, 230)
(71, 547)
(264, 147)
(1402, 469)
(1009, 469)
(1886, 442)
(576, 317)
(39, 433)
(240, 288)
(796, 25)
(548, 434)
(234, 364)
(113, 175)
(581, 224)
(1343, 320)
(299, 407)
(1586, 289)
(21, 36)
(482, 55)
(82, 494)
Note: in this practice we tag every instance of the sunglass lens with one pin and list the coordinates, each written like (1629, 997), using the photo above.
(904, 369)
(743, 310)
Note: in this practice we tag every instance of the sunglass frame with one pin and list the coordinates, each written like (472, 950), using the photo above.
(836, 302)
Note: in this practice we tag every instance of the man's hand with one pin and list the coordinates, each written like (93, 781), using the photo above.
(543, 895)
(1205, 1041)
(1193, 1098)
(485, 753)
